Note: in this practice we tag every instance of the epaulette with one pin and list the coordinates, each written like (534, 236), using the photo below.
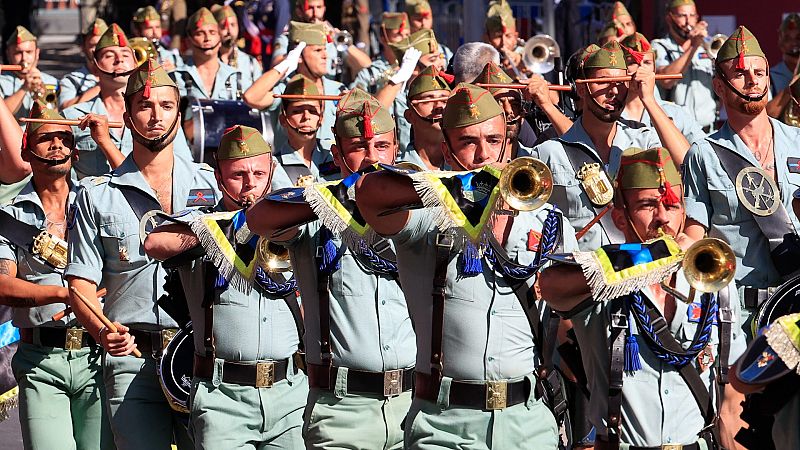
(631, 123)
(206, 167)
(94, 180)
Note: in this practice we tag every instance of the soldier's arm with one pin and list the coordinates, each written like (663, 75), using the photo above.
(18, 293)
(678, 66)
(563, 287)
(380, 192)
(730, 416)
(84, 96)
(267, 217)
(259, 95)
(170, 240)
(695, 191)
(14, 101)
(388, 93)
(671, 137)
(12, 167)
(357, 59)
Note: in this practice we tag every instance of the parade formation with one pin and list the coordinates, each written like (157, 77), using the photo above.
(383, 243)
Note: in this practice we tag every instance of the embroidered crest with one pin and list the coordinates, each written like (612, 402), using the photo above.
(765, 358)
(201, 197)
(533, 240)
(695, 311)
(705, 358)
(596, 184)
(793, 165)
(123, 253)
(757, 191)
(304, 181)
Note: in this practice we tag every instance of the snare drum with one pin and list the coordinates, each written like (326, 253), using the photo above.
(175, 369)
(212, 117)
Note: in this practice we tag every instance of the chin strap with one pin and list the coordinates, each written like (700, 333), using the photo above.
(743, 96)
(52, 162)
(158, 143)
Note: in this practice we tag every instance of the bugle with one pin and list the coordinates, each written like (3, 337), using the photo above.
(709, 265)
(526, 184)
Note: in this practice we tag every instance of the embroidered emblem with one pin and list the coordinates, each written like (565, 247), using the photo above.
(695, 311)
(201, 197)
(757, 191)
(705, 358)
(793, 164)
(305, 180)
(123, 253)
(533, 240)
(765, 359)
(596, 184)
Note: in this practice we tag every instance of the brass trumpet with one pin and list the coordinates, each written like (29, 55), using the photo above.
(47, 95)
(526, 184)
(712, 47)
(709, 265)
(273, 257)
(143, 49)
(539, 54)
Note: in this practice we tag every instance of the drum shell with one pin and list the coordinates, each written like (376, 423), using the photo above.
(785, 300)
(175, 369)
(211, 117)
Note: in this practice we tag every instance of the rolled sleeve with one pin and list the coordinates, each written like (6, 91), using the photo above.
(420, 221)
(695, 185)
(7, 250)
(86, 254)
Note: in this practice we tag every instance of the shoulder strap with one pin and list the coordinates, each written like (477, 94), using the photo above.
(776, 227)
(577, 159)
(619, 327)
(725, 320)
(209, 296)
(140, 202)
(444, 245)
(19, 233)
(291, 301)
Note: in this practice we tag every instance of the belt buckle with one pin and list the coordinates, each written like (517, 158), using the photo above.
(393, 383)
(496, 394)
(444, 240)
(166, 336)
(672, 447)
(265, 374)
(74, 340)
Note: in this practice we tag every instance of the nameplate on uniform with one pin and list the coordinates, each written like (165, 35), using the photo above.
(793, 164)
(201, 197)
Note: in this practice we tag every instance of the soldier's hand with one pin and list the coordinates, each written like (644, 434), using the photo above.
(644, 83)
(537, 91)
(699, 33)
(290, 63)
(406, 70)
(684, 241)
(98, 126)
(33, 81)
(120, 343)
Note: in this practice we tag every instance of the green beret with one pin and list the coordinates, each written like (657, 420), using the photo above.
(739, 45)
(468, 105)
(394, 21)
(791, 22)
(147, 76)
(113, 37)
(40, 111)
(430, 79)
(418, 8)
(619, 11)
(676, 3)
(146, 14)
(223, 13)
(96, 28)
(422, 40)
(310, 33)
(500, 21)
(202, 17)
(648, 169)
(609, 56)
(492, 74)
(300, 85)
(240, 142)
(360, 114)
(20, 35)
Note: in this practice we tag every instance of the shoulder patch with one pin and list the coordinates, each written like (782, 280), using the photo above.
(201, 197)
(694, 312)
(793, 165)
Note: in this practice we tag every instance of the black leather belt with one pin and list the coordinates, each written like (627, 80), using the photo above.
(602, 444)
(258, 374)
(153, 342)
(755, 297)
(489, 395)
(74, 338)
(388, 384)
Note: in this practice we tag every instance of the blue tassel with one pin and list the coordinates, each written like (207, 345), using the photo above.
(633, 361)
(330, 257)
(470, 261)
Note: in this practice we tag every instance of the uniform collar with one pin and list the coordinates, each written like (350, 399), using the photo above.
(726, 137)
(577, 135)
(28, 194)
(225, 71)
(290, 156)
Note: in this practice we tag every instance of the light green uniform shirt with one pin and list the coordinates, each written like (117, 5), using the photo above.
(711, 199)
(693, 90)
(9, 84)
(105, 246)
(249, 67)
(226, 83)
(779, 76)
(27, 208)
(486, 332)
(682, 120)
(293, 166)
(657, 404)
(169, 54)
(325, 132)
(372, 78)
(568, 194)
(370, 327)
(410, 154)
(75, 83)
(92, 161)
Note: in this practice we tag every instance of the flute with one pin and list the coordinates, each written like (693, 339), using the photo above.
(10, 67)
(552, 87)
(307, 97)
(663, 76)
(72, 122)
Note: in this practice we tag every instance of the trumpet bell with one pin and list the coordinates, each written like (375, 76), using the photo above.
(273, 257)
(709, 265)
(143, 49)
(539, 53)
(526, 184)
(716, 43)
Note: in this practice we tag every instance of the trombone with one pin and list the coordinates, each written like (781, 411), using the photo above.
(526, 184)
(143, 49)
(708, 265)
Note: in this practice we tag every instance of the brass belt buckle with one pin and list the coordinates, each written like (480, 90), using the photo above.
(74, 339)
(166, 336)
(496, 394)
(393, 383)
(672, 447)
(265, 374)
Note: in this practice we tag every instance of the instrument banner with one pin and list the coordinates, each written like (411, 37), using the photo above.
(231, 247)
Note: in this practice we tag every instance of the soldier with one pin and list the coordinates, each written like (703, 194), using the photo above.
(732, 178)
(643, 396)
(229, 52)
(501, 33)
(308, 57)
(420, 16)
(427, 96)
(586, 157)
(231, 405)
(146, 23)
(475, 384)
(104, 246)
(782, 74)
(394, 28)
(57, 364)
(620, 14)
(303, 159)
(611, 31)
(103, 149)
(80, 85)
(19, 89)
(359, 338)
(682, 52)
(639, 52)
